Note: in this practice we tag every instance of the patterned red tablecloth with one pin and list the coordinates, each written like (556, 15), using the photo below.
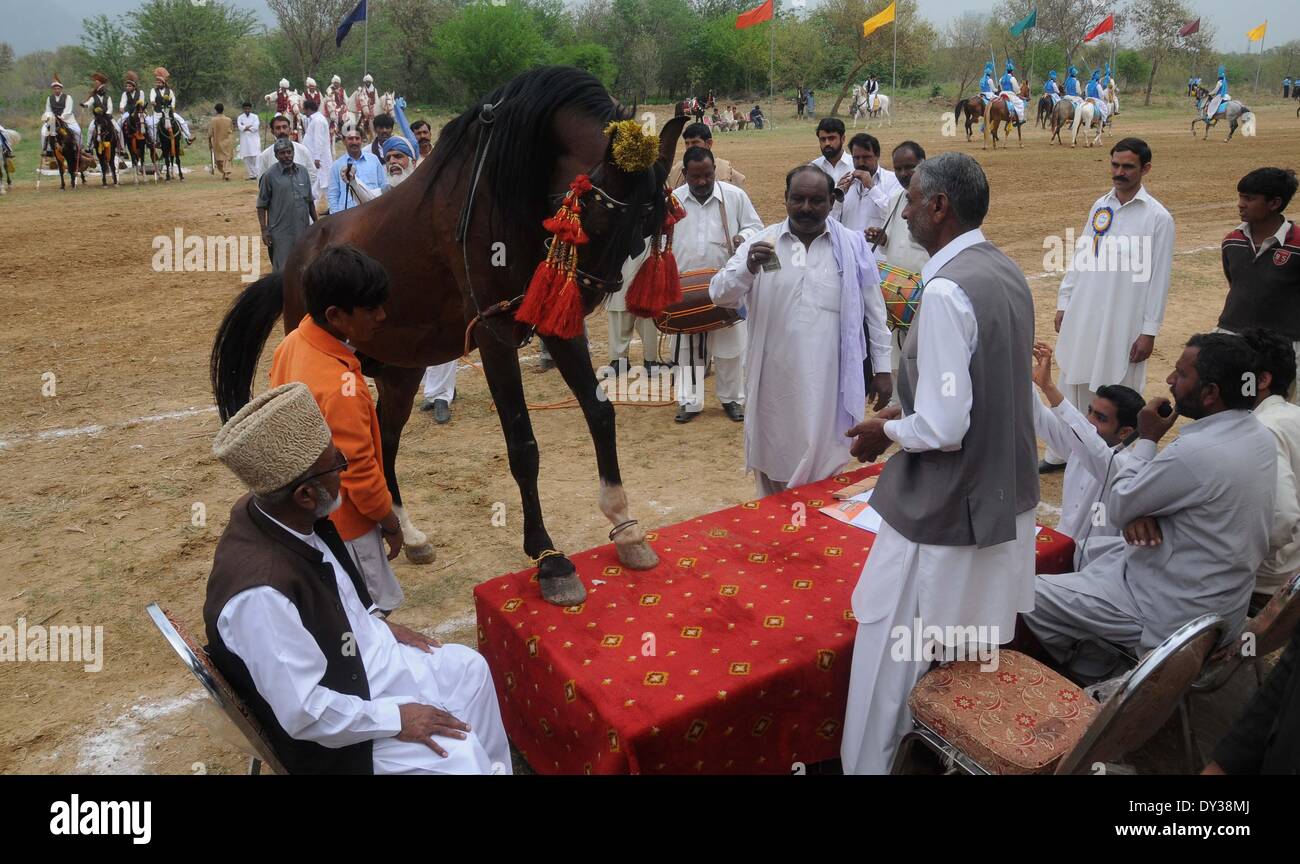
(731, 656)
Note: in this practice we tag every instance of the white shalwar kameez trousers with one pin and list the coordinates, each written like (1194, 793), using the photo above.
(943, 586)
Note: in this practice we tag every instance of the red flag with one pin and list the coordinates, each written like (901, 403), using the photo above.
(1190, 27)
(1105, 26)
(757, 15)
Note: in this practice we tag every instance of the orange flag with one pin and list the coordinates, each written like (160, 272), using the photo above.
(757, 15)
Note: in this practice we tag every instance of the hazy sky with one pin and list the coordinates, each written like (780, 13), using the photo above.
(31, 26)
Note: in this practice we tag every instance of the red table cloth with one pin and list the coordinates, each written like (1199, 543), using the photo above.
(731, 656)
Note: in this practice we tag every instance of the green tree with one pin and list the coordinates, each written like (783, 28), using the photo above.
(6, 58)
(309, 26)
(484, 46)
(1157, 23)
(195, 43)
(589, 57)
(107, 47)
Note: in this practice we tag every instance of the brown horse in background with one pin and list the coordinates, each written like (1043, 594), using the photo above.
(974, 109)
(999, 112)
(496, 173)
(1045, 107)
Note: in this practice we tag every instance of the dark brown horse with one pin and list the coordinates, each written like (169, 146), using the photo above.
(169, 141)
(974, 110)
(999, 112)
(496, 173)
(61, 146)
(1045, 107)
(103, 143)
(135, 132)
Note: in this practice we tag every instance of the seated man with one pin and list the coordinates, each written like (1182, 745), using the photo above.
(755, 117)
(1274, 378)
(1197, 518)
(1095, 445)
(290, 623)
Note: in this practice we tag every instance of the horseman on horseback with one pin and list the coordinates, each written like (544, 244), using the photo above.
(99, 102)
(58, 106)
(1011, 92)
(312, 91)
(1053, 89)
(873, 94)
(1097, 96)
(988, 86)
(1108, 83)
(104, 135)
(1219, 98)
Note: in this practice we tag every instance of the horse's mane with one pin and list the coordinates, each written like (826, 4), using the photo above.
(522, 138)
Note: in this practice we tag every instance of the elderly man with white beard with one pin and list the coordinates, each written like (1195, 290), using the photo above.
(399, 161)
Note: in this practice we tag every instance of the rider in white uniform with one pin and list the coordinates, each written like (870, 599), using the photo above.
(1219, 96)
(59, 104)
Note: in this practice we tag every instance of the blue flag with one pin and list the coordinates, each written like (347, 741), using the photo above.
(1030, 20)
(399, 115)
(358, 14)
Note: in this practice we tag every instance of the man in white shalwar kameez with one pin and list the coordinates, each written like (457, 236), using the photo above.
(719, 217)
(808, 283)
(385, 699)
(317, 141)
(956, 547)
(250, 139)
(1111, 302)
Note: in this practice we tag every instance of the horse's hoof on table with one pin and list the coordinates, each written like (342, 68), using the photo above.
(422, 554)
(638, 556)
(563, 590)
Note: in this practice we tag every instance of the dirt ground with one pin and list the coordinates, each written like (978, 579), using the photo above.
(104, 478)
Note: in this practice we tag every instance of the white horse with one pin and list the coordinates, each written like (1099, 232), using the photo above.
(1112, 98)
(1086, 115)
(295, 108)
(862, 105)
(11, 140)
(858, 107)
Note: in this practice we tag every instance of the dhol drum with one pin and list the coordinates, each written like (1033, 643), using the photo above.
(902, 292)
(695, 313)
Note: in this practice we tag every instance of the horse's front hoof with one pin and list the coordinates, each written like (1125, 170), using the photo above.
(559, 582)
(422, 554)
(637, 556)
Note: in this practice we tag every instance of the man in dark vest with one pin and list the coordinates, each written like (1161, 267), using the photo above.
(953, 561)
(290, 623)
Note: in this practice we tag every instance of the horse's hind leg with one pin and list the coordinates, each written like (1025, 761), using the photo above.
(397, 387)
(574, 362)
(556, 575)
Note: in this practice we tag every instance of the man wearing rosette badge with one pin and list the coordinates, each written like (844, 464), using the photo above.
(1111, 302)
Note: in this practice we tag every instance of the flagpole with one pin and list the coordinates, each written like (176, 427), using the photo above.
(1260, 66)
(771, 71)
(365, 57)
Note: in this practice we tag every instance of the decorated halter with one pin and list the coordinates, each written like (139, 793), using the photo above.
(553, 301)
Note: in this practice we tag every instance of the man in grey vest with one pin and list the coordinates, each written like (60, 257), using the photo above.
(953, 561)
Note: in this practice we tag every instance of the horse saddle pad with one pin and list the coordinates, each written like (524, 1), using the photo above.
(902, 292)
(695, 313)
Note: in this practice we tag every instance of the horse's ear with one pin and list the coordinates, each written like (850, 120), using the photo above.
(668, 135)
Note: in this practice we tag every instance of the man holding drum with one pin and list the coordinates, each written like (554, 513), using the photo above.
(719, 217)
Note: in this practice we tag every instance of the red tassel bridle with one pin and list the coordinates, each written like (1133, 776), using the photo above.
(657, 284)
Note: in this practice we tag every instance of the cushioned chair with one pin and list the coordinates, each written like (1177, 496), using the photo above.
(196, 659)
(1025, 718)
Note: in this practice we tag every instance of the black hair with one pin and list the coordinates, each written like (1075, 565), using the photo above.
(310, 105)
(830, 183)
(697, 154)
(384, 121)
(420, 124)
(917, 150)
(1127, 401)
(345, 277)
(1271, 183)
(220, 109)
(1227, 361)
(279, 117)
(866, 142)
(833, 125)
(697, 130)
(1133, 145)
(1275, 354)
(248, 105)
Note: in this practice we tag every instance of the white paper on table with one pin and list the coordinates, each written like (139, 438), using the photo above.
(1038, 529)
(856, 511)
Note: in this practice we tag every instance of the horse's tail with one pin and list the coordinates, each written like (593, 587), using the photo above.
(956, 109)
(239, 343)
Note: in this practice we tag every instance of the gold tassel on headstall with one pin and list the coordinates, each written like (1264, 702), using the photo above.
(553, 303)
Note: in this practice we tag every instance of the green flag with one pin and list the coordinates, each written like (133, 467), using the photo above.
(1030, 20)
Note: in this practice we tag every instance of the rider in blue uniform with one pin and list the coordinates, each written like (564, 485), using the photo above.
(1053, 89)
(988, 87)
(1097, 96)
(1219, 97)
(1011, 89)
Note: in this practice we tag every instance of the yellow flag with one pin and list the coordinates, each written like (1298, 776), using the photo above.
(880, 19)
(1258, 33)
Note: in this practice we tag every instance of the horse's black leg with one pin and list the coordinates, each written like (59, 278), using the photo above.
(397, 388)
(557, 576)
(574, 362)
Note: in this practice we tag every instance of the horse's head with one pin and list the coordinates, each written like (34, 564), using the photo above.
(625, 207)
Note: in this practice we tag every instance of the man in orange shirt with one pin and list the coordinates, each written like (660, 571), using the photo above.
(344, 291)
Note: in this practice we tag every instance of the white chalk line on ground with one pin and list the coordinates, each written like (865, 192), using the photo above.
(124, 744)
(97, 428)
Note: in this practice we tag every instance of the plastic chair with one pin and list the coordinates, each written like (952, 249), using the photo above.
(234, 709)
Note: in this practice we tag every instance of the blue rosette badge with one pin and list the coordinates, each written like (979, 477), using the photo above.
(1101, 222)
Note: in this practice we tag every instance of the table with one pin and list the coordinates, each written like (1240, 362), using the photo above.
(731, 656)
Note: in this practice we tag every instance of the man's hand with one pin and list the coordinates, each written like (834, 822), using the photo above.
(392, 530)
(347, 173)
(737, 242)
(844, 182)
(877, 236)
(882, 387)
(1056, 322)
(1143, 531)
(759, 254)
(406, 636)
(421, 722)
(1151, 425)
(864, 177)
(266, 237)
(1142, 348)
(870, 439)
